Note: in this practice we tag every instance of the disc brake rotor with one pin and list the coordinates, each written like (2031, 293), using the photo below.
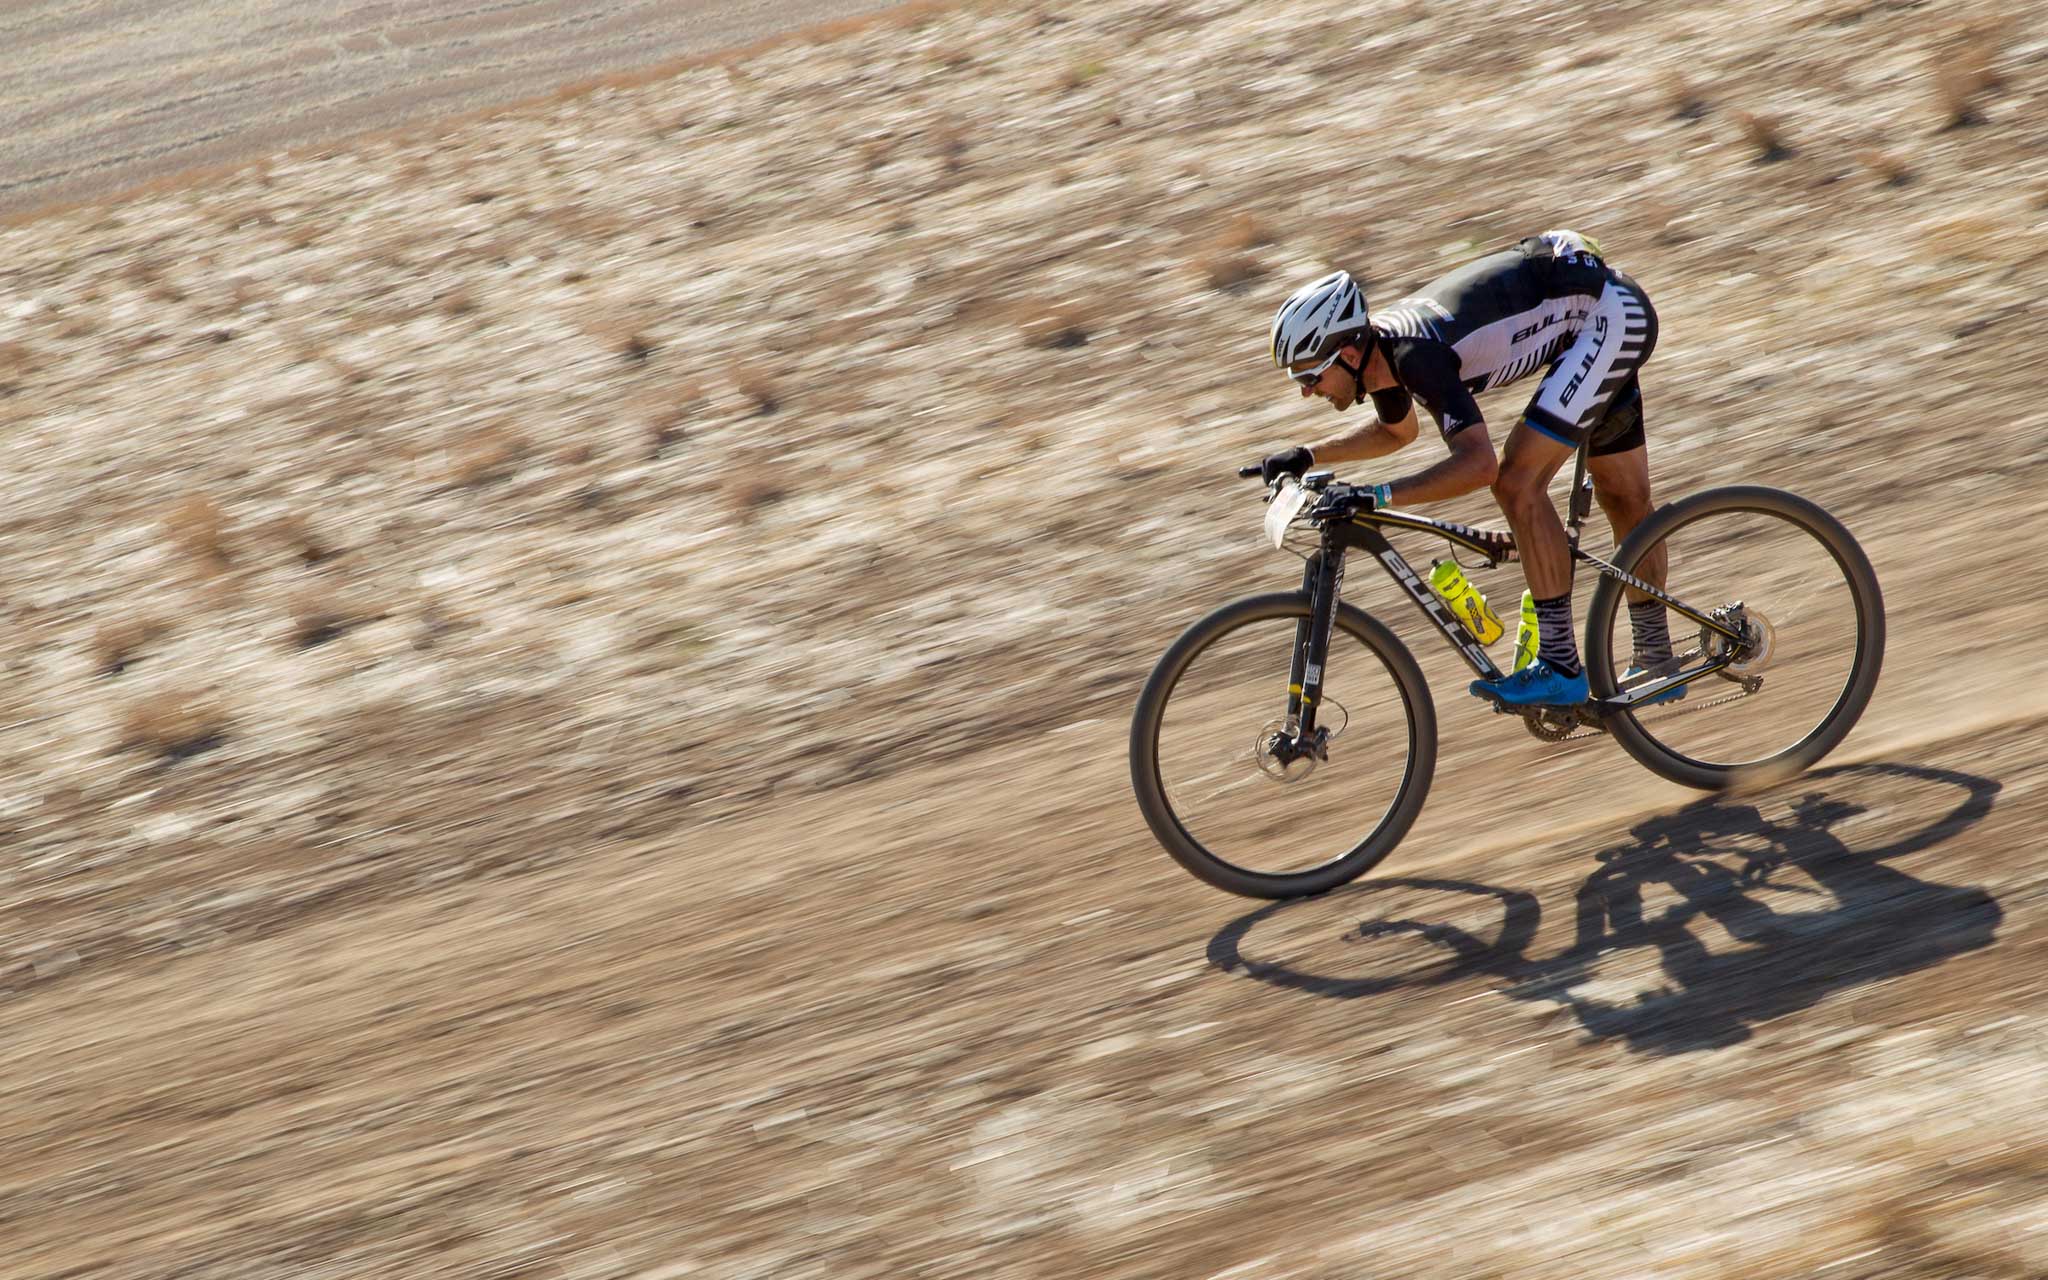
(1759, 641)
(1276, 756)
(1763, 642)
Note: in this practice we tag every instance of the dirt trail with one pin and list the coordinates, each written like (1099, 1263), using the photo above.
(527, 754)
(723, 1055)
(103, 97)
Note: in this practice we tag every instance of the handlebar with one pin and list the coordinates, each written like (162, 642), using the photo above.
(1315, 481)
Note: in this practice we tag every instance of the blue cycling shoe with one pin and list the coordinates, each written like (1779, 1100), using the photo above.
(1535, 685)
(1628, 677)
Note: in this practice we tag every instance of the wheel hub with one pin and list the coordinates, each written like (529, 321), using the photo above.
(1282, 755)
(1759, 641)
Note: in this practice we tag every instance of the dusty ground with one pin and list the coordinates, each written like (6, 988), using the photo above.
(567, 679)
(98, 98)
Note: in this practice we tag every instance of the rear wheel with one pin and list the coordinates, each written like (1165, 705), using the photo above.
(1791, 578)
(1211, 760)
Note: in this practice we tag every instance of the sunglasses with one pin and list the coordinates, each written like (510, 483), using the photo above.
(1310, 377)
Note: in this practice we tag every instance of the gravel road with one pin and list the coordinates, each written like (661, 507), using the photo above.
(96, 98)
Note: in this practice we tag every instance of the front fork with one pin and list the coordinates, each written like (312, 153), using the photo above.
(1320, 582)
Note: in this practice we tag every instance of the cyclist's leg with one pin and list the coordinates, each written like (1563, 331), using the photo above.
(1619, 462)
(1521, 486)
(1557, 677)
(1593, 389)
(1572, 401)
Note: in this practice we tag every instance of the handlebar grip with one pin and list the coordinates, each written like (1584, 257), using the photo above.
(1248, 472)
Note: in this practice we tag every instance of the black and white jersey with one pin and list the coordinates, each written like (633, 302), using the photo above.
(1547, 302)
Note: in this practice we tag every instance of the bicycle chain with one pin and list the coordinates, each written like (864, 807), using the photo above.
(1660, 713)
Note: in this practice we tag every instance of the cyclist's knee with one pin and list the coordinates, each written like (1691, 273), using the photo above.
(1517, 487)
(1628, 504)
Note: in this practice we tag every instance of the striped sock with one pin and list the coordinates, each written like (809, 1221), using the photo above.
(1557, 645)
(1652, 631)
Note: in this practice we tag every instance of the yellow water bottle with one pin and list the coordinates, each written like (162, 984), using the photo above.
(1465, 602)
(1527, 637)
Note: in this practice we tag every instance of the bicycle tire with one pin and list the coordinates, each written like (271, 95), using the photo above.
(1860, 580)
(1174, 835)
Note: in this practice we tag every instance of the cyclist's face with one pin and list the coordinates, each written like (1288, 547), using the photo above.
(1336, 386)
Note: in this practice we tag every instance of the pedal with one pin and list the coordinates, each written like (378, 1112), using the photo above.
(1566, 709)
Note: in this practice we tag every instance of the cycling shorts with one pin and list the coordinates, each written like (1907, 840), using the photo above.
(1592, 384)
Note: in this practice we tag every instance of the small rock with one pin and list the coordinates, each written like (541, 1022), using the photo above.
(54, 962)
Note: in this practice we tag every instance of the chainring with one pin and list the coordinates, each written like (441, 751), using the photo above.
(1553, 724)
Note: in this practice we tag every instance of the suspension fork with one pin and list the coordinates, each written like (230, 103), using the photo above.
(1319, 582)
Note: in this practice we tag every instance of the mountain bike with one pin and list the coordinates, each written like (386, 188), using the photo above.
(1285, 743)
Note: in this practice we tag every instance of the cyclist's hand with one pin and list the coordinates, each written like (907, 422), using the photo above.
(1287, 462)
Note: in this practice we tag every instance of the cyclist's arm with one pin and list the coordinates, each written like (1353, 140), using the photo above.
(1429, 371)
(1373, 440)
(1471, 467)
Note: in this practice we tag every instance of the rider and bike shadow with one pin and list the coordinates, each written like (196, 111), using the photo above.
(1859, 919)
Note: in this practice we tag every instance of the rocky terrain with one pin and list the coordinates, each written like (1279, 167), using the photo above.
(568, 675)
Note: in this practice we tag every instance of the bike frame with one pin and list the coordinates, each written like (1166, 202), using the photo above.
(1322, 582)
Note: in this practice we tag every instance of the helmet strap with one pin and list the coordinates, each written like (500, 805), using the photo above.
(1357, 371)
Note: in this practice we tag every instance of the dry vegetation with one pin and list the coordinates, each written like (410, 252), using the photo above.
(197, 526)
(757, 388)
(1964, 63)
(566, 679)
(1888, 167)
(117, 642)
(1763, 133)
(1054, 326)
(301, 538)
(1681, 97)
(172, 723)
(1229, 259)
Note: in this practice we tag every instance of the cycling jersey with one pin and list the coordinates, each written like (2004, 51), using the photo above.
(1549, 302)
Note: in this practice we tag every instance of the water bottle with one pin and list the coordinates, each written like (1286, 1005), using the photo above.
(1527, 639)
(1464, 601)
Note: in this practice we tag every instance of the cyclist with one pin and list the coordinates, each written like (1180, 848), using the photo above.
(1549, 303)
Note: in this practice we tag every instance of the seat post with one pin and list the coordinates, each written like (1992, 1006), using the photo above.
(1581, 504)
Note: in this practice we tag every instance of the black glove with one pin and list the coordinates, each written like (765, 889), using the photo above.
(1287, 462)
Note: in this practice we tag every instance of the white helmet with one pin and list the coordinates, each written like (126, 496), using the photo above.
(1311, 324)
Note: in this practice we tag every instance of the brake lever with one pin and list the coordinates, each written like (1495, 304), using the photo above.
(1336, 500)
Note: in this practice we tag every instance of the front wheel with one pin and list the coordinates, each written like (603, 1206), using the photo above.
(1792, 580)
(1231, 796)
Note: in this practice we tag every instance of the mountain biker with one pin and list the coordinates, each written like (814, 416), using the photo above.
(1548, 303)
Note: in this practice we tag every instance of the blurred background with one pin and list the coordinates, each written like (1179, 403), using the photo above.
(573, 603)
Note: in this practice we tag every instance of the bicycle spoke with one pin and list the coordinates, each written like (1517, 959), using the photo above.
(1797, 604)
(1256, 813)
